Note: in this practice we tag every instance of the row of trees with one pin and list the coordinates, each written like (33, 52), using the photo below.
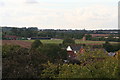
(34, 32)
(22, 32)
(110, 38)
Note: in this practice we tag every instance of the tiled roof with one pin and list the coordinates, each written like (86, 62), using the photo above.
(76, 47)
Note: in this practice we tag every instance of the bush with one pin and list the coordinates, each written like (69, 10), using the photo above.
(36, 44)
(68, 41)
(111, 47)
(7, 49)
(54, 52)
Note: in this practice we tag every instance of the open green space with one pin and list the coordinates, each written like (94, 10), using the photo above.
(76, 41)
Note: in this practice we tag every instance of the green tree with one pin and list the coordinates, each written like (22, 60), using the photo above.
(36, 44)
(54, 52)
(88, 37)
(111, 47)
(68, 41)
(22, 63)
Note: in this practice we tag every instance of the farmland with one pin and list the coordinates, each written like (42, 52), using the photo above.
(17, 42)
(76, 41)
(27, 43)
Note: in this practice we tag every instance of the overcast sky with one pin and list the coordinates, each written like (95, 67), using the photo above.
(60, 14)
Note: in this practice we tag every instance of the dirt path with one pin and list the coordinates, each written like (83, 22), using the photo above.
(24, 44)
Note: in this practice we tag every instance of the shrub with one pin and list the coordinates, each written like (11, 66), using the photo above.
(54, 52)
(36, 44)
(68, 41)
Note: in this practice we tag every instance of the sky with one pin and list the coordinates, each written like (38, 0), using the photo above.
(60, 14)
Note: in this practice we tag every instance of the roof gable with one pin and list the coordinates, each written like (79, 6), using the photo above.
(69, 48)
(74, 48)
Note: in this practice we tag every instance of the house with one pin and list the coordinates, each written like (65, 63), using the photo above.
(73, 50)
(111, 54)
(114, 54)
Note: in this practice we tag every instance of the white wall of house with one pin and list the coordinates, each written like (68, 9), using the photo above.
(75, 51)
(69, 48)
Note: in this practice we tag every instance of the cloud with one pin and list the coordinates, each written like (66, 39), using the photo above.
(31, 1)
(2, 4)
(51, 15)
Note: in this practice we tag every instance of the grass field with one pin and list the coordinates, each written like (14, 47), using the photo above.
(76, 41)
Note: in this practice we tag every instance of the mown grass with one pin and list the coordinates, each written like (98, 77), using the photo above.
(76, 41)
(48, 41)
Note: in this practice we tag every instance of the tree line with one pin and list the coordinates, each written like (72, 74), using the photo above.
(75, 34)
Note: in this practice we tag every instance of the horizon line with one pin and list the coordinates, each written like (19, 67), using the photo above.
(58, 28)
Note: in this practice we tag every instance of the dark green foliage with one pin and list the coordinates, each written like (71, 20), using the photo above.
(103, 68)
(54, 52)
(8, 49)
(33, 32)
(116, 47)
(88, 37)
(68, 41)
(36, 44)
(22, 32)
(20, 63)
(111, 47)
(24, 63)
(76, 34)
(107, 46)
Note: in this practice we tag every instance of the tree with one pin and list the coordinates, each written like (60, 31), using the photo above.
(88, 37)
(68, 41)
(111, 47)
(36, 44)
(22, 63)
(105, 68)
(14, 31)
(54, 52)
(107, 46)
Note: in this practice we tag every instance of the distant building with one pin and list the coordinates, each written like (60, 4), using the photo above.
(111, 54)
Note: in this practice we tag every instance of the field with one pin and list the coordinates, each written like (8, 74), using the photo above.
(27, 43)
(21, 43)
(76, 41)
